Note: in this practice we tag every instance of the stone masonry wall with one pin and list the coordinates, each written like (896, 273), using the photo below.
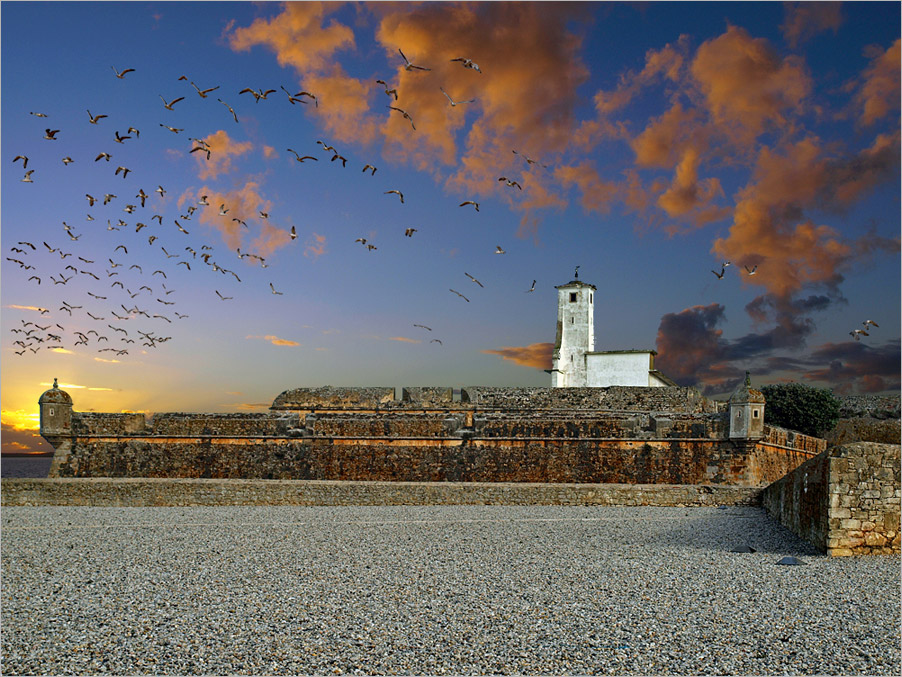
(619, 398)
(845, 501)
(677, 461)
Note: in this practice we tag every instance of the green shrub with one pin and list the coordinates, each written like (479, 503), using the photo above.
(809, 410)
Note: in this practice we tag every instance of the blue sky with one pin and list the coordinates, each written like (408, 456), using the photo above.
(675, 136)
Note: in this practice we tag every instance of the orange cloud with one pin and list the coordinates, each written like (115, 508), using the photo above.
(689, 197)
(275, 340)
(244, 203)
(536, 355)
(804, 20)
(316, 246)
(222, 150)
(769, 225)
(879, 93)
(597, 194)
(664, 141)
(747, 87)
(297, 35)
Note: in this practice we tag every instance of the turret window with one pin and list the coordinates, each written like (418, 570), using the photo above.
(573, 297)
(51, 412)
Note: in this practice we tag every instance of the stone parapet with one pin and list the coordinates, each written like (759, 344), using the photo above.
(614, 398)
(846, 500)
(141, 492)
(332, 397)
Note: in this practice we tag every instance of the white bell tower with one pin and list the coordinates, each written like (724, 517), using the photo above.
(575, 333)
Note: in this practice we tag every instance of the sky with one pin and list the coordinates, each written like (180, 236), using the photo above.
(647, 143)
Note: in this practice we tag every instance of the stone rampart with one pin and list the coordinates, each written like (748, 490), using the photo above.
(614, 398)
(91, 423)
(783, 437)
(422, 459)
(846, 500)
(332, 397)
(140, 492)
(382, 425)
(237, 425)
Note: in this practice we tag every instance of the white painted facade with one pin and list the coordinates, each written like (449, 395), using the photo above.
(576, 364)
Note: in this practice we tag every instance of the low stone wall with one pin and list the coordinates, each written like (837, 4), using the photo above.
(845, 501)
(188, 492)
(178, 424)
(620, 425)
(784, 437)
(381, 425)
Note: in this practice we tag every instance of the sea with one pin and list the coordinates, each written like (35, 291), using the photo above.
(25, 466)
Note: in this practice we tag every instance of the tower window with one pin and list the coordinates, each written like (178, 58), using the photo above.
(754, 413)
(591, 299)
(51, 412)
(573, 297)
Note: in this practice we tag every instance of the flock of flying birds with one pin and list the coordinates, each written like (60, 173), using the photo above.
(111, 286)
(128, 291)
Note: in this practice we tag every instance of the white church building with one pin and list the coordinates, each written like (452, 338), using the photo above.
(576, 363)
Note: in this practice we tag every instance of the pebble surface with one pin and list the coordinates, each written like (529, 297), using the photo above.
(435, 590)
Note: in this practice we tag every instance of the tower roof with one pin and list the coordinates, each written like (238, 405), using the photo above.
(576, 284)
(745, 394)
(55, 396)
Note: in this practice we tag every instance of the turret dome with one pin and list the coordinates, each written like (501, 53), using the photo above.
(55, 396)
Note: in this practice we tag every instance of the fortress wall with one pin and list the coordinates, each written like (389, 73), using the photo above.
(382, 425)
(621, 425)
(795, 440)
(619, 398)
(427, 397)
(332, 397)
(90, 423)
(846, 500)
(415, 460)
(175, 424)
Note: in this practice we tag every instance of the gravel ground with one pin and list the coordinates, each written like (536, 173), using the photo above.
(432, 590)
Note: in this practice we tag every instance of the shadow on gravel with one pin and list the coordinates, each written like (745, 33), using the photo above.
(723, 530)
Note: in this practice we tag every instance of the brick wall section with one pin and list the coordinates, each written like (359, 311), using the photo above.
(845, 501)
(186, 492)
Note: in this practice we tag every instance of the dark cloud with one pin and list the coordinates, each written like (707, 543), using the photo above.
(692, 351)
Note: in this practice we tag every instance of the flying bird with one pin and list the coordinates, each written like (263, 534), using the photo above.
(120, 139)
(469, 202)
(529, 160)
(854, 333)
(258, 93)
(751, 271)
(231, 110)
(38, 115)
(408, 65)
(124, 170)
(174, 130)
(326, 147)
(390, 92)
(453, 102)
(224, 298)
(344, 160)
(870, 322)
(460, 295)
(28, 178)
(274, 290)
(369, 166)
(293, 234)
(532, 288)
(474, 279)
(423, 326)
(400, 194)
(50, 134)
(405, 114)
(437, 341)
(720, 274)
(510, 182)
(468, 63)
(499, 250)
(94, 119)
(121, 74)
(409, 231)
(302, 158)
(203, 92)
(168, 106)
(104, 156)
(24, 161)
(68, 161)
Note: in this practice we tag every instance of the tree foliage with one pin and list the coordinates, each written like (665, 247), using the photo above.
(809, 410)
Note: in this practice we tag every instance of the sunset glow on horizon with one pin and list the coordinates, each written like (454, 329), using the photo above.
(247, 210)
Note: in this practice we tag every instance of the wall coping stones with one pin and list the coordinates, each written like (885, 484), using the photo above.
(141, 492)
